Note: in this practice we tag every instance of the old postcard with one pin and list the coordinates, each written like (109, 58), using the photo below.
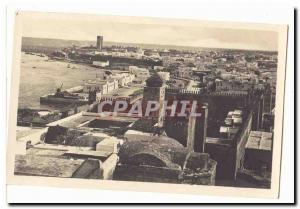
(147, 104)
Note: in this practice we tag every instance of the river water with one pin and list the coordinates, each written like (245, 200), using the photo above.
(40, 77)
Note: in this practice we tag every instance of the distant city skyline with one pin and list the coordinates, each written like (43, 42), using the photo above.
(139, 30)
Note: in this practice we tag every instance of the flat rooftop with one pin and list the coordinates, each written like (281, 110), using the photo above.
(124, 92)
(73, 121)
(259, 140)
(108, 125)
(46, 166)
(84, 118)
(26, 131)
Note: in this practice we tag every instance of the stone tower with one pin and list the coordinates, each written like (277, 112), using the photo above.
(201, 129)
(154, 91)
(99, 42)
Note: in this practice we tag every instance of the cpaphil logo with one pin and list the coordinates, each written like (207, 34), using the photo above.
(182, 108)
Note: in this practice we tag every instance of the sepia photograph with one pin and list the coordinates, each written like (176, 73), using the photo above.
(172, 105)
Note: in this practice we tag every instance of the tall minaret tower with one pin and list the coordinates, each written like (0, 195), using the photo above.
(154, 91)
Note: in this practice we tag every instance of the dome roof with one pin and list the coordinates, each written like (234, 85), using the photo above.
(155, 80)
(157, 152)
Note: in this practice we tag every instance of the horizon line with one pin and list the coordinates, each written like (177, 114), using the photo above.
(195, 47)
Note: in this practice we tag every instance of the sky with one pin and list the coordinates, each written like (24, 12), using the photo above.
(148, 31)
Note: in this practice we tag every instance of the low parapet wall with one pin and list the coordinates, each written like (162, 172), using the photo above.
(146, 173)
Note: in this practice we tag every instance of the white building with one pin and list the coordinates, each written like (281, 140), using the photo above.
(164, 75)
(141, 74)
(104, 87)
(123, 78)
(112, 85)
(101, 64)
(159, 68)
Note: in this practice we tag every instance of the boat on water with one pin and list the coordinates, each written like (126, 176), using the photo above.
(64, 97)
